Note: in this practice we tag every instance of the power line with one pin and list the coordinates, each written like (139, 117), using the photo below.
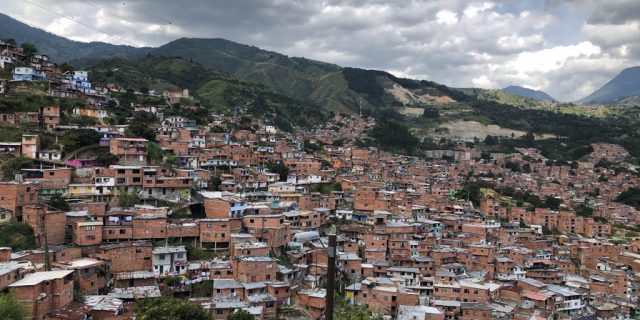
(81, 23)
(112, 14)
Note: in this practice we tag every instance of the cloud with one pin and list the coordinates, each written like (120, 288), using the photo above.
(564, 47)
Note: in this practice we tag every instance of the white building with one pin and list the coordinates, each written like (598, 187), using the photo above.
(169, 261)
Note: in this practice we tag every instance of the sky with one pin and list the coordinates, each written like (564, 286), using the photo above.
(567, 48)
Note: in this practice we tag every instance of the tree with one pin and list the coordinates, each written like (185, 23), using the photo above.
(78, 138)
(18, 236)
(215, 183)
(169, 308)
(345, 311)
(140, 129)
(491, 140)
(394, 137)
(552, 203)
(106, 158)
(154, 152)
(29, 48)
(171, 161)
(630, 197)
(11, 42)
(126, 200)
(11, 308)
(280, 169)
(431, 113)
(241, 314)
(57, 202)
(66, 67)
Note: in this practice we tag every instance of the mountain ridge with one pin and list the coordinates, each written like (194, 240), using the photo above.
(624, 85)
(61, 49)
(529, 93)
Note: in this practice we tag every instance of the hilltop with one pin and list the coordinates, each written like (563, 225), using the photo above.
(624, 85)
(59, 48)
(214, 89)
(529, 93)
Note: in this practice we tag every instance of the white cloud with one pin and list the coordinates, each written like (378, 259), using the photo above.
(447, 17)
(551, 59)
(460, 43)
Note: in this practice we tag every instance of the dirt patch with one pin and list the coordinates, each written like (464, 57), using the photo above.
(407, 97)
(411, 112)
(468, 130)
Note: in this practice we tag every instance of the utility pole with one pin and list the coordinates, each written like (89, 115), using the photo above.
(331, 277)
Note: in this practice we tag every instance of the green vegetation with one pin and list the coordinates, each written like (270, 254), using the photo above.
(169, 308)
(394, 137)
(12, 165)
(311, 147)
(584, 211)
(195, 253)
(202, 289)
(172, 281)
(82, 121)
(33, 102)
(294, 77)
(58, 202)
(280, 169)
(140, 126)
(18, 236)
(431, 113)
(105, 158)
(326, 188)
(11, 134)
(11, 308)
(344, 311)
(78, 296)
(241, 314)
(29, 48)
(214, 90)
(78, 138)
(630, 197)
(126, 200)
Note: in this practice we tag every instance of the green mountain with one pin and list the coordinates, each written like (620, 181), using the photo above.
(215, 90)
(626, 84)
(224, 75)
(327, 85)
(335, 88)
(529, 93)
(61, 49)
